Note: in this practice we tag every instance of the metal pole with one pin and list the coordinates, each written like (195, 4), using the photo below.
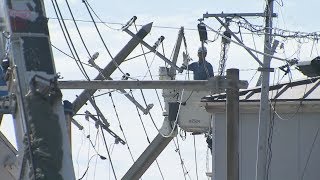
(153, 50)
(224, 15)
(264, 114)
(232, 125)
(172, 71)
(147, 157)
(239, 41)
(112, 66)
(214, 84)
(39, 119)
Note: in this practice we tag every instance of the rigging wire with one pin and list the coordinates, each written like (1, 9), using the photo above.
(66, 34)
(120, 126)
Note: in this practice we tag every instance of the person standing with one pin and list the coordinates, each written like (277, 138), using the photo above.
(202, 70)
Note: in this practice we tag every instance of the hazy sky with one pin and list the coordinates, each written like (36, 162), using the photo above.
(167, 17)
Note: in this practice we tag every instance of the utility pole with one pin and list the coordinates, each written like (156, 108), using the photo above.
(264, 113)
(232, 93)
(112, 66)
(43, 145)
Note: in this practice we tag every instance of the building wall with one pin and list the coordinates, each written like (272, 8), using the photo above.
(292, 144)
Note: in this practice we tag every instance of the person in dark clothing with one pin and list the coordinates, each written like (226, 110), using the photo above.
(202, 70)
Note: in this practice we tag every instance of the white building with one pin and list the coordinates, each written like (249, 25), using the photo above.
(294, 143)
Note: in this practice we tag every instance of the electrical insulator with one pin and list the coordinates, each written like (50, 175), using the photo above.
(202, 32)
(228, 35)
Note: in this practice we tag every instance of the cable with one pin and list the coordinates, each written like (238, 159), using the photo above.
(76, 25)
(149, 113)
(145, 131)
(101, 38)
(310, 152)
(66, 34)
(246, 47)
(143, 126)
(69, 55)
(105, 143)
(85, 2)
(78, 153)
(88, 165)
(120, 126)
(195, 155)
(184, 168)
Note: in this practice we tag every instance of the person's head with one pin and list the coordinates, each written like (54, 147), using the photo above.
(202, 53)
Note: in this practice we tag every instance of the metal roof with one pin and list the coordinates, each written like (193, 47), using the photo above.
(306, 90)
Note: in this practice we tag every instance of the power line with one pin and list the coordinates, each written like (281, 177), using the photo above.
(98, 31)
(76, 25)
(86, 3)
(58, 49)
(120, 126)
(246, 47)
(66, 34)
(146, 134)
(183, 166)
(145, 102)
(105, 143)
(310, 152)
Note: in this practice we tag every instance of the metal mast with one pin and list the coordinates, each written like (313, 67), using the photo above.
(264, 114)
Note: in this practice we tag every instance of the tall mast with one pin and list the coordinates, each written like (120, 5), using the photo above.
(264, 113)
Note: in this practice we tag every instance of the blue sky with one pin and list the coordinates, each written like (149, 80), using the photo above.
(294, 15)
